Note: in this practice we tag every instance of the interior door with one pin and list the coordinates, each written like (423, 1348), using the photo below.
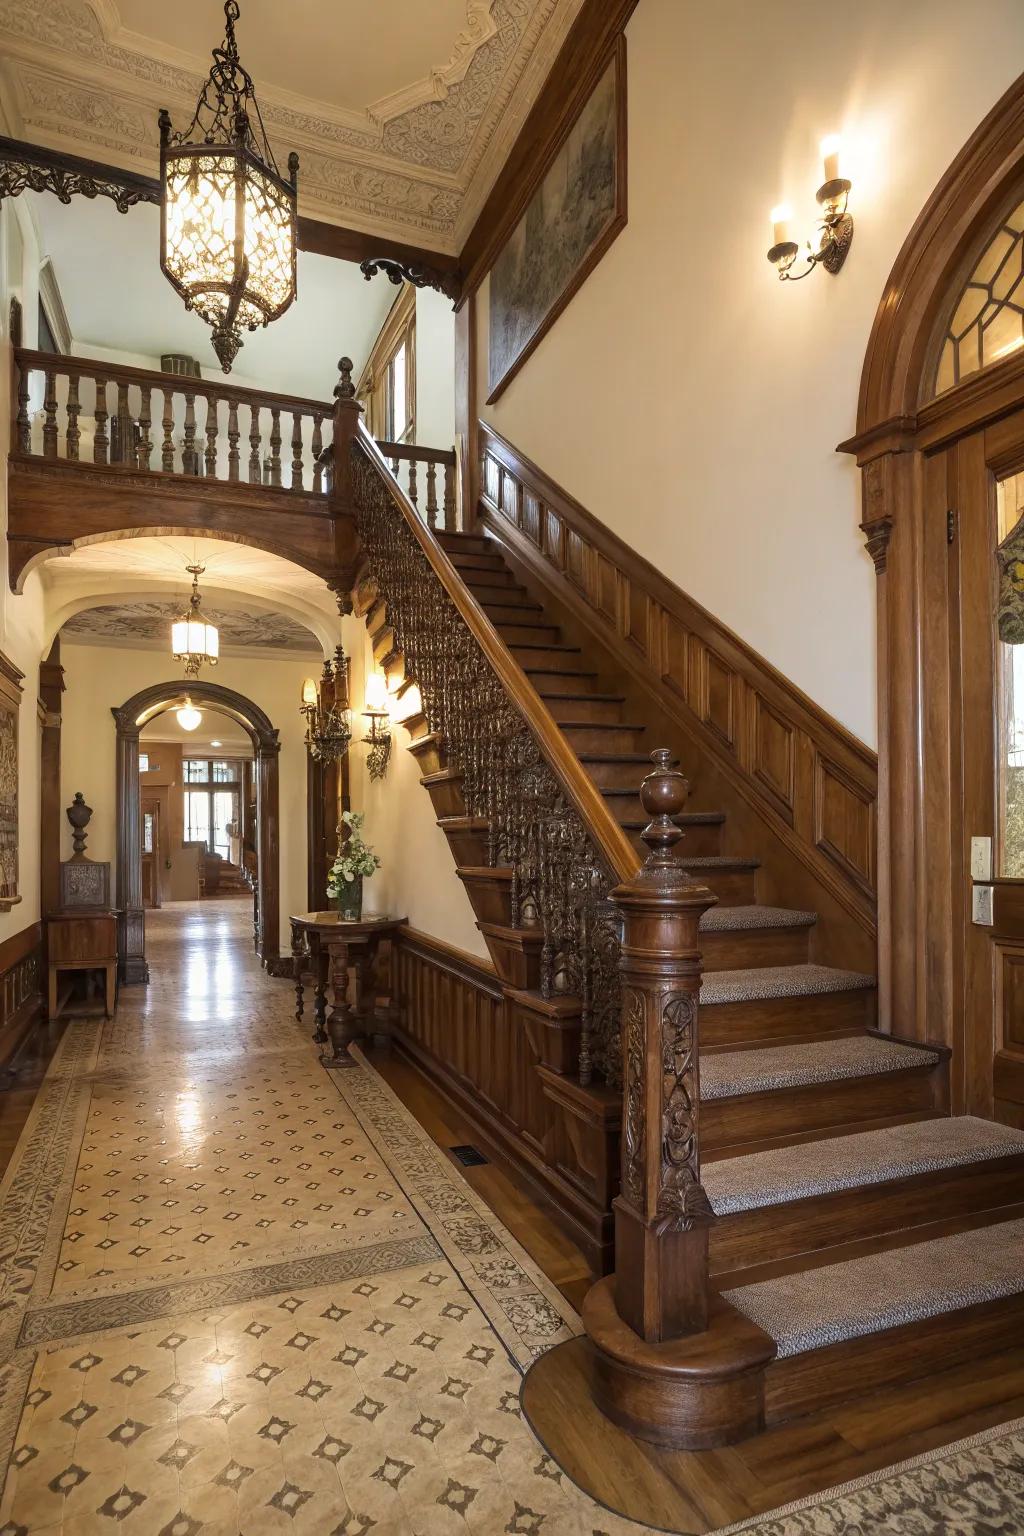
(986, 533)
(151, 861)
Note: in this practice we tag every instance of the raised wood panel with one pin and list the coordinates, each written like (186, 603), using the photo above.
(844, 822)
(1010, 996)
(804, 775)
(490, 479)
(21, 991)
(717, 690)
(530, 516)
(773, 751)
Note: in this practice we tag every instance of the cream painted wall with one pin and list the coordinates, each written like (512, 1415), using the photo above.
(418, 876)
(100, 678)
(685, 396)
(22, 616)
(435, 370)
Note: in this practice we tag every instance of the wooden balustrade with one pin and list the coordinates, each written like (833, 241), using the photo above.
(413, 456)
(200, 421)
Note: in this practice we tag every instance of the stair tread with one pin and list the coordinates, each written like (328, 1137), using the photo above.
(718, 861)
(686, 819)
(738, 919)
(590, 698)
(760, 982)
(760, 1179)
(727, 1074)
(898, 1286)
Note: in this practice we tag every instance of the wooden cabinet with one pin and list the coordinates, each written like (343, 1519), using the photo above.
(83, 942)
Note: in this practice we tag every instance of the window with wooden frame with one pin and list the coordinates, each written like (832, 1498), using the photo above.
(387, 384)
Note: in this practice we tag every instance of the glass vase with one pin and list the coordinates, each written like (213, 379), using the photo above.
(349, 900)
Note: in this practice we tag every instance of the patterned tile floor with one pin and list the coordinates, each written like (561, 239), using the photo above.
(239, 1294)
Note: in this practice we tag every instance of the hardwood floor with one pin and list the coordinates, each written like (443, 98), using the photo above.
(698, 1491)
(17, 1100)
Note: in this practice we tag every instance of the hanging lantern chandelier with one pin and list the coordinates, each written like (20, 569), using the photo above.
(193, 640)
(227, 215)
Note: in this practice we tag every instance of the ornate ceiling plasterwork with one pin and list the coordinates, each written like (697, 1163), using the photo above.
(415, 165)
(150, 622)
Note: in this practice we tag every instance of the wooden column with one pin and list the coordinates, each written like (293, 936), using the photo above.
(347, 411)
(672, 1363)
(268, 941)
(131, 923)
(51, 687)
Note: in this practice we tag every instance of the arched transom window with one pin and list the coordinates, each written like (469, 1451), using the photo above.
(988, 320)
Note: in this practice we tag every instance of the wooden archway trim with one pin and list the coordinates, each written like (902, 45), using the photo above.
(266, 746)
(939, 248)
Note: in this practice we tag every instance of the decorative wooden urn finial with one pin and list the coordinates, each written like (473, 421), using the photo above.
(345, 389)
(79, 815)
(663, 795)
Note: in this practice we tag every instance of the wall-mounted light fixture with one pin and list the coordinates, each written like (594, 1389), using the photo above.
(377, 710)
(325, 707)
(834, 234)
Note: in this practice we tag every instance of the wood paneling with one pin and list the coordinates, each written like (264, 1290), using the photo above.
(21, 993)
(810, 780)
(1010, 992)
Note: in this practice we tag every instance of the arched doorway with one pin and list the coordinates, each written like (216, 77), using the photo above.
(939, 434)
(129, 720)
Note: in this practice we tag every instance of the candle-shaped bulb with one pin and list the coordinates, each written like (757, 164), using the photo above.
(780, 217)
(830, 148)
(376, 698)
(308, 691)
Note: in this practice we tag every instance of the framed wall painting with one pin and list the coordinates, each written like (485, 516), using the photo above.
(572, 218)
(10, 709)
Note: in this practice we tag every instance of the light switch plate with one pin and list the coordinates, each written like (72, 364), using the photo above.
(981, 858)
(982, 906)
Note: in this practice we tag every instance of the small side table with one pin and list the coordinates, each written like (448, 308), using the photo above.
(339, 949)
(81, 940)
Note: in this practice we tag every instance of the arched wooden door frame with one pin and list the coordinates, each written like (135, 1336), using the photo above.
(129, 720)
(899, 430)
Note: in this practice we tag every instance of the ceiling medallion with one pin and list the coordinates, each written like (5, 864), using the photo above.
(227, 215)
(193, 640)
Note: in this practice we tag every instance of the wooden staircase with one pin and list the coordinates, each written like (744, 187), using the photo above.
(842, 1189)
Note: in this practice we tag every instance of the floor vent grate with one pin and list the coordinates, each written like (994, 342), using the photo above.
(469, 1157)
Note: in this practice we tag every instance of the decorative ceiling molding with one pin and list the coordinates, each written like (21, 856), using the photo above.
(414, 165)
(149, 622)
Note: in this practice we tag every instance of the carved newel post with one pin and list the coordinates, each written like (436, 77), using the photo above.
(662, 1215)
(672, 1363)
(341, 503)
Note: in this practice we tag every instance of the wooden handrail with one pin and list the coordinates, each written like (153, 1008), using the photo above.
(580, 790)
(414, 453)
(90, 368)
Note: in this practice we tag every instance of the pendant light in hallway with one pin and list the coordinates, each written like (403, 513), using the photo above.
(188, 717)
(193, 639)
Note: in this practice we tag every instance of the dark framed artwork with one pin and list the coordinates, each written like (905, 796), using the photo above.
(10, 710)
(570, 221)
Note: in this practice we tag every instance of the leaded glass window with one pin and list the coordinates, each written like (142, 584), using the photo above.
(987, 323)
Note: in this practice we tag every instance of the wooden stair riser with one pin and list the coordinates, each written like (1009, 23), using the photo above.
(385, 647)
(492, 585)
(742, 1122)
(733, 887)
(528, 633)
(445, 790)
(821, 1377)
(701, 839)
(461, 543)
(605, 738)
(467, 838)
(746, 1240)
(552, 1026)
(512, 609)
(575, 680)
(490, 892)
(429, 752)
(611, 773)
(594, 711)
(546, 656)
(769, 1021)
(744, 948)
(473, 561)
(515, 953)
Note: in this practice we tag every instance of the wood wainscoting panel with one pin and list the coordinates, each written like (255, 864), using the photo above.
(21, 992)
(454, 1022)
(795, 769)
(1010, 993)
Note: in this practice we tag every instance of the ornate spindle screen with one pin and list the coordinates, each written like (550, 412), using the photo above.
(560, 879)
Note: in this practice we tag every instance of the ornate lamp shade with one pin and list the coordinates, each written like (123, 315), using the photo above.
(227, 215)
(189, 718)
(193, 640)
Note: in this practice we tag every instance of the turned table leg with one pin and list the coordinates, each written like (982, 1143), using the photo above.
(344, 1023)
(298, 955)
(320, 961)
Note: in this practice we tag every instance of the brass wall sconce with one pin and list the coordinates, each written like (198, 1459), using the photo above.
(835, 228)
(325, 707)
(378, 737)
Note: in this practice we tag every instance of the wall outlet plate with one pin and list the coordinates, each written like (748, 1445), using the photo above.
(981, 906)
(981, 858)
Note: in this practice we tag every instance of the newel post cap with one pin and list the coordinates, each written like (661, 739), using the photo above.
(661, 877)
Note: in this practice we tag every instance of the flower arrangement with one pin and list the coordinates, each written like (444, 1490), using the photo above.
(356, 860)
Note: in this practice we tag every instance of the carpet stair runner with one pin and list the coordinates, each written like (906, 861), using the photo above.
(871, 1236)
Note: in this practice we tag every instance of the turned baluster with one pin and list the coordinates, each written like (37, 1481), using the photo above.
(318, 448)
(233, 435)
(275, 445)
(413, 494)
(50, 416)
(296, 450)
(125, 427)
(73, 435)
(24, 422)
(167, 447)
(431, 494)
(449, 497)
(189, 456)
(212, 428)
(255, 464)
(145, 422)
(100, 442)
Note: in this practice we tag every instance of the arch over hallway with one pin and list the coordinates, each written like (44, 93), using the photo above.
(129, 720)
(910, 524)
